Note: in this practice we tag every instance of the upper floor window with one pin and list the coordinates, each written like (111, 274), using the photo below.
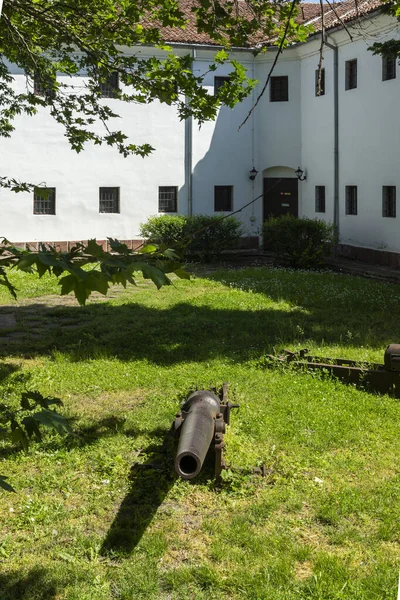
(223, 198)
(351, 199)
(109, 200)
(109, 87)
(389, 201)
(388, 68)
(43, 86)
(167, 198)
(44, 201)
(320, 82)
(219, 82)
(279, 89)
(320, 198)
(351, 74)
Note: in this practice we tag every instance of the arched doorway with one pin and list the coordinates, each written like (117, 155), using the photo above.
(280, 192)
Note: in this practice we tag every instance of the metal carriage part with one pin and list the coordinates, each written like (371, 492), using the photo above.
(201, 424)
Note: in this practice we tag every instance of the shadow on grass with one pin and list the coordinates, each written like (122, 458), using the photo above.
(150, 483)
(37, 584)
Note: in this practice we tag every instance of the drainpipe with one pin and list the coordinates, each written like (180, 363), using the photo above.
(336, 131)
(189, 152)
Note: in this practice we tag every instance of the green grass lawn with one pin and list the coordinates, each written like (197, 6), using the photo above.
(88, 522)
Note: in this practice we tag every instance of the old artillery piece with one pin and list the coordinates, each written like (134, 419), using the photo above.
(383, 378)
(201, 424)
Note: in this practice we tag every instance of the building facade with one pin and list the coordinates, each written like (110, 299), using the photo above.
(341, 127)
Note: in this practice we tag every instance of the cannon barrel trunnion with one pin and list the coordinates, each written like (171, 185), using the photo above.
(201, 422)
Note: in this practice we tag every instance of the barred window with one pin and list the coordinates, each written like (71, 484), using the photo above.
(388, 68)
(320, 198)
(109, 200)
(109, 87)
(351, 74)
(389, 201)
(43, 86)
(44, 201)
(167, 198)
(351, 199)
(219, 82)
(320, 82)
(279, 90)
(223, 198)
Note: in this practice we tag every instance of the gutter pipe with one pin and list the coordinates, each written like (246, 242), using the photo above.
(189, 153)
(336, 131)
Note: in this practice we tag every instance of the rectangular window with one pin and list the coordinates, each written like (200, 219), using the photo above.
(109, 87)
(109, 200)
(320, 82)
(43, 87)
(279, 89)
(389, 201)
(223, 198)
(167, 199)
(320, 198)
(44, 201)
(219, 82)
(351, 199)
(388, 68)
(351, 74)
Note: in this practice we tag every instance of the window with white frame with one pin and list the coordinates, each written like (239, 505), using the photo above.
(223, 198)
(109, 199)
(44, 201)
(351, 199)
(351, 74)
(388, 68)
(389, 201)
(320, 198)
(167, 198)
(109, 87)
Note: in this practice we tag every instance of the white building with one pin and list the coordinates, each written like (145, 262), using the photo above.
(346, 140)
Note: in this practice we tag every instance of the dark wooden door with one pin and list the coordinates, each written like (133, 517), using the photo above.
(280, 196)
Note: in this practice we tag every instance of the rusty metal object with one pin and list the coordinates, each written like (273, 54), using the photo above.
(383, 378)
(201, 423)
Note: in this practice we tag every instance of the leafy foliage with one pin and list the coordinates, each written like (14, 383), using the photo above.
(23, 424)
(86, 39)
(200, 236)
(302, 242)
(88, 267)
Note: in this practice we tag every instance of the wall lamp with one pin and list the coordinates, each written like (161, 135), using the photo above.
(299, 174)
(253, 174)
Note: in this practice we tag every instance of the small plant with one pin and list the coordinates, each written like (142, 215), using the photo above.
(22, 424)
(201, 237)
(302, 242)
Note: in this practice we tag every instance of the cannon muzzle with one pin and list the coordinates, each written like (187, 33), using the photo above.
(199, 414)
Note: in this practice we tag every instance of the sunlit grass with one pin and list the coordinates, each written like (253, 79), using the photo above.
(322, 525)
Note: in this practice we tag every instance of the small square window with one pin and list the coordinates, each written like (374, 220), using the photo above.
(279, 89)
(320, 82)
(320, 198)
(351, 199)
(388, 68)
(167, 199)
(44, 201)
(109, 88)
(219, 82)
(223, 198)
(109, 200)
(389, 201)
(43, 86)
(351, 74)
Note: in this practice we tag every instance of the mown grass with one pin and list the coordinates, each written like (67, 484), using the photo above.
(89, 523)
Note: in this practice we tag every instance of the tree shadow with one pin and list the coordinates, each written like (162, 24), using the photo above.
(37, 584)
(150, 482)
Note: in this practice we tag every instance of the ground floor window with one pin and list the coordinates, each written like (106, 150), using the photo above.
(109, 200)
(320, 198)
(44, 201)
(389, 201)
(351, 199)
(223, 198)
(167, 198)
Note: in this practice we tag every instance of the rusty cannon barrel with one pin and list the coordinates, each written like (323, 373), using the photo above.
(198, 426)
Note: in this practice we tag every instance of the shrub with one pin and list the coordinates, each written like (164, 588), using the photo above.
(302, 242)
(201, 236)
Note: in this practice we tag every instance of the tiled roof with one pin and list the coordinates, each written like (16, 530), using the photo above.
(335, 14)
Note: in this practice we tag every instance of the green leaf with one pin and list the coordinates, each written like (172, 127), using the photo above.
(147, 249)
(4, 485)
(94, 249)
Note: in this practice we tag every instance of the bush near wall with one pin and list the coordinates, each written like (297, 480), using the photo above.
(201, 237)
(302, 242)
